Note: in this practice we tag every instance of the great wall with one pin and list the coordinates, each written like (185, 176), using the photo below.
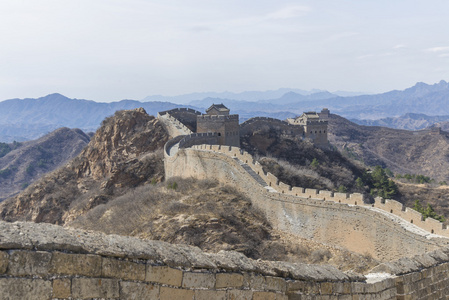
(43, 261)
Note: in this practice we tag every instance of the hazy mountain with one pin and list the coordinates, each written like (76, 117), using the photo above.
(26, 119)
(403, 151)
(243, 96)
(23, 163)
(409, 121)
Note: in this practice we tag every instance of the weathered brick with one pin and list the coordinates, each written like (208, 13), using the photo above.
(275, 284)
(224, 280)
(164, 275)
(168, 293)
(208, 295)
(326, 288)
(62, 288)
(29, 263)
(264, 296)
(95, 288)
(305, 287)
(76, 264)
(21, 288)
(240, 295)
(4, 258)
(138, 291)
(198, 280)
(122, 269)
(256, 282)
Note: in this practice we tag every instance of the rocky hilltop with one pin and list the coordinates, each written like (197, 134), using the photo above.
(122, 153)
(25, 162)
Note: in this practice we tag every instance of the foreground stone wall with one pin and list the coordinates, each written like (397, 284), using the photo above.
(44, 261)
(359, 228)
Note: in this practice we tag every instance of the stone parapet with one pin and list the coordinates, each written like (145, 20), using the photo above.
(44, 261)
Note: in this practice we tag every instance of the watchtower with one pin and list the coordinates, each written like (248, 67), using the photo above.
(217, 119)
(315, 126)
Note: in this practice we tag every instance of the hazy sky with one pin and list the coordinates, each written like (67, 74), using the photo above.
(107, 50)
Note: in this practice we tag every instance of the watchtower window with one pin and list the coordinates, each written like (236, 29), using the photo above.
(219, 134)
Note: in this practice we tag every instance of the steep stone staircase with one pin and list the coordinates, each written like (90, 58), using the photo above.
(251, 172)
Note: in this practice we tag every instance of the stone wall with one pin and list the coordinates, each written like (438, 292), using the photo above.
(253, 124)
(387, 205)
(187, 116)
(44, 261)
(339, 219)
(207, 138)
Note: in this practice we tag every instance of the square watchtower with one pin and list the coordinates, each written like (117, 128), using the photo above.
(218, 119)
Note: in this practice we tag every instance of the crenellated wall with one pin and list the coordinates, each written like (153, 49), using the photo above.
(336, 218)
(391, 206)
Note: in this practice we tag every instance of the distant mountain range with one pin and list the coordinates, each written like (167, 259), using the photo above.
(26, 119)
(245, 96)
(409, 121)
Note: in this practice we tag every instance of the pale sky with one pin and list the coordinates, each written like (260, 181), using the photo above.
(108, 50)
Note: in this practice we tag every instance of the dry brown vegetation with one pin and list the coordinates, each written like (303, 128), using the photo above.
(213, 217)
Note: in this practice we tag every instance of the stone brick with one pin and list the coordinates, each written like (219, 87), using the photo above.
(122, 269)
(29, 263)
(138, 291)
(275, 284)
(224, 280)
(264, 296)
(198, 280)
(326, 288)
(256, 282)
(4, 258)
(305, 287)
(76, 264)
(168, 293)
(62, 288)
(338, 288)
(358, 287)
(21, 288)
(95, 288)
(240, 295)
(346, 287)
(164, 275)
(208, 295)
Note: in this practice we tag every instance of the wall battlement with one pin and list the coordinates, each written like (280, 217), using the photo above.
(390, 206)
(218, 117)
(179, 109)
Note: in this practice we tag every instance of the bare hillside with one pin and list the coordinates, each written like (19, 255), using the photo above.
(401, 151)
(29, 161)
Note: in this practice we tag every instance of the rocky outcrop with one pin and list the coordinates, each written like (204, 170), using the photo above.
(125, 152)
